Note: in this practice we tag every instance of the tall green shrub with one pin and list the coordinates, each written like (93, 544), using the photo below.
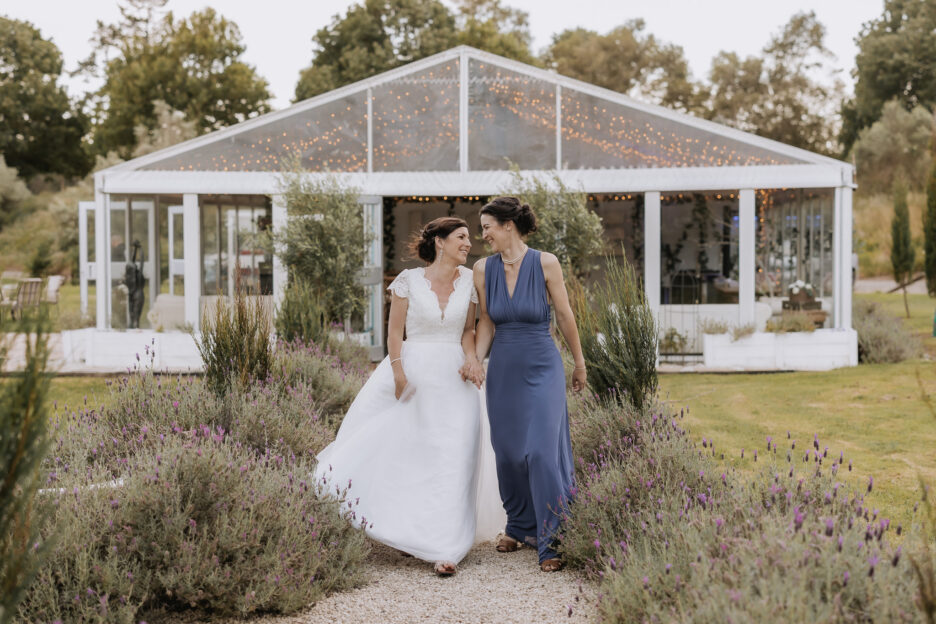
(566, 227)
(902, 251)
(23, 445)
(929, 232)
(324, 241)
(619, 336)
(301, 315)
(236, 343)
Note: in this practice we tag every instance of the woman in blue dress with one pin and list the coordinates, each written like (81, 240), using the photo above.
(526, 398)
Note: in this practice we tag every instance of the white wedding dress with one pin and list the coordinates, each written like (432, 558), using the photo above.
(422, 469)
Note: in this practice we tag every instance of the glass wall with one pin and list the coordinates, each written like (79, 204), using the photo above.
(699, 248)
(794, 247)
(233, 245)
(622, 216)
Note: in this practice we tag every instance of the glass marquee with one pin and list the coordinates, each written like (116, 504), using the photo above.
(409, 119)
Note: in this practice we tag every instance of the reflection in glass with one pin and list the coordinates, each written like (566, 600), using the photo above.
(794, 240)
(233, 246)
(416, 121)
(600, 134)
(699, 247)
(512, 119)
(329, 137)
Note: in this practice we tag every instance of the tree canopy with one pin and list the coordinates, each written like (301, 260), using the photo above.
(194, 65)
(895, 146)
(778, 94)
(377, 35)
(40, 132)
(896, 59)
(628, 61)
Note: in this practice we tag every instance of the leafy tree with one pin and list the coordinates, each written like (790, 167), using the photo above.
(194, 65)
(377, 35)
(628, 61)
(896, 59)
(902, 251)
(895, 146)
(373, 37)
(171, 127)
(324, 242)
(13, 192)
(929, 231)
(489, 25)
(776, 95)
(565, 226)
(40, 132)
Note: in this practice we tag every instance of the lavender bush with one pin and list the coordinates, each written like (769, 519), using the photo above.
(670, 538)
(172, 497)
(194, 519)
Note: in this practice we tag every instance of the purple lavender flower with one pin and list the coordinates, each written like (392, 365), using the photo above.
(829, 526)
(845, 578)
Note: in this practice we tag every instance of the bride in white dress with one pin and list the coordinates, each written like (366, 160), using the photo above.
(415, 443)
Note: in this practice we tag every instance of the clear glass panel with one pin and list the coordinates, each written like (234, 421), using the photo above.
(622, 216)
(210, 249)
(699, 248)
(233, 245)
(599, 134)
(512, 117)
(329, 137)
(118, 229)
(794, 251)
(416, 121)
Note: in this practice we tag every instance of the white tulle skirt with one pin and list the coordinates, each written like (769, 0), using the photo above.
(422, 471)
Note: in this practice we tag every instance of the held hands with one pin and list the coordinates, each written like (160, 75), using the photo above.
(472, 371)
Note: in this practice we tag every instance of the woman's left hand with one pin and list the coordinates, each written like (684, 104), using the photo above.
(473, 371)
(579, 377)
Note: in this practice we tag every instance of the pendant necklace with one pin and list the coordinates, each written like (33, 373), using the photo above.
(515, 260)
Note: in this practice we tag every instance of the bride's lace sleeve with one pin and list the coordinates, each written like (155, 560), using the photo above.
(400, 285)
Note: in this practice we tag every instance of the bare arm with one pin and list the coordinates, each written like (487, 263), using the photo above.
(484, 333)
(564, 316)
(472, 370)
(398, 308)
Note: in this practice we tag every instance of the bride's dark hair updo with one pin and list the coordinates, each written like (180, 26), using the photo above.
(506, 209)
(422, 244)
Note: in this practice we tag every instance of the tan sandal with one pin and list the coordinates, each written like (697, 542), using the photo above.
(506, 544)
(551, 565)
(444, 568)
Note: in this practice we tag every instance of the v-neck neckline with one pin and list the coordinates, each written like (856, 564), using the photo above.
(428, 283)
(510, 295)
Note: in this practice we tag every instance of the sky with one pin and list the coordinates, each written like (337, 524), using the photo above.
(278, 33)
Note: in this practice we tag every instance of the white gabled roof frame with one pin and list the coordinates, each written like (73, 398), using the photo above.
(122, 171)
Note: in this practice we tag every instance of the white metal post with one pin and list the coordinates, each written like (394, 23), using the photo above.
(746, 257)
(83, 208)
(463, 112)
(370, 131)
(837, 267)
(846, 261)
(558, 127)
(191, 251)
(280, 272)
(652, 230)
(102, 255)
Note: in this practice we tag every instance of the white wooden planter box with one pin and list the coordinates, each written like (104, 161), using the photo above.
(823, 349)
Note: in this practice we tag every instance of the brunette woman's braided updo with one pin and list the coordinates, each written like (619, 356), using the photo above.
(506, 209)
(422, 244)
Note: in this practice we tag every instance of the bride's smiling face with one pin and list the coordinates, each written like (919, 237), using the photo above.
(456, 245)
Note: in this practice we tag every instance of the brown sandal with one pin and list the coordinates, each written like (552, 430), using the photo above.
(444, 568)
(506, 544)
(551, 565)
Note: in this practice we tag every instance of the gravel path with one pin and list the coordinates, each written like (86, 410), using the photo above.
(490, 587)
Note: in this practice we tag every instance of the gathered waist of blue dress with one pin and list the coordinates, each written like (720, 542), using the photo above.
(516, 331)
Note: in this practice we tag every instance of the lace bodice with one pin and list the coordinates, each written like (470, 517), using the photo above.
(425, 320)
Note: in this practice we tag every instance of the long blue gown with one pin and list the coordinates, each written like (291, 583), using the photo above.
(526, 401)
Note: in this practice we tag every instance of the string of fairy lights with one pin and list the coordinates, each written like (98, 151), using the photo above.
(416, 124)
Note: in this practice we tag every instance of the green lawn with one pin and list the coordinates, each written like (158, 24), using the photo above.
(874, 413)
(69, 393)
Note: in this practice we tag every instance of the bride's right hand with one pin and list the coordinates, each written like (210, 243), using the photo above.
(399, 382)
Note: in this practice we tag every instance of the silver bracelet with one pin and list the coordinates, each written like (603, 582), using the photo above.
(396, 360)
(579, 368)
